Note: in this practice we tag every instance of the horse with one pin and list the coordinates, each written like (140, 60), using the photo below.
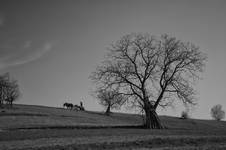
(68, 105)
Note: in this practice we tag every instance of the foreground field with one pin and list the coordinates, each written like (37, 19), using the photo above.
(36, 127)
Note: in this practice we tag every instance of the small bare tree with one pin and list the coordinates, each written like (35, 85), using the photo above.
(110, 99)
(4, 84)
(9, 90)
(13, 92)
(151, 72)
(217, 113)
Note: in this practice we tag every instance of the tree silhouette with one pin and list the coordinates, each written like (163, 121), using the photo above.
(110, 99)
(217, 113)
(4, 80)
(9, 90)
(151, 71)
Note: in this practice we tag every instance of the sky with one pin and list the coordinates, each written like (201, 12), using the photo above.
(51, 47)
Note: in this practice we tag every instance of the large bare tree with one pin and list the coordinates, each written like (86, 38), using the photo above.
(151, 72)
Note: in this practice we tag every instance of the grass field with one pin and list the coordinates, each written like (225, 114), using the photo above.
(39, 127)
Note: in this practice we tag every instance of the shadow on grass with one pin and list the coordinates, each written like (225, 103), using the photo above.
(21, 114)
(81, 127)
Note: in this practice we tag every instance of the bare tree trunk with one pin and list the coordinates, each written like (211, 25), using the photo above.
(1, 103)
(108, 111)
(148, 119)
(155, 121)
(11, 103)
(152, 119)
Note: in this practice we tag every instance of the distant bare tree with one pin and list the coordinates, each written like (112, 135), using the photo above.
(9, 90)
(151, 72)
(217, 113)
(110, 99)
(13, 92)
(4, 83)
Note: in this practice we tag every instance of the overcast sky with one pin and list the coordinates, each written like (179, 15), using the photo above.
(51, 47)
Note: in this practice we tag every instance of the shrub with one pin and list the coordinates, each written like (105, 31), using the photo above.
(184, 115)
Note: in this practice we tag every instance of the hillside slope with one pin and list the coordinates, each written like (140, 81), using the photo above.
(38, 127)
(28, 116)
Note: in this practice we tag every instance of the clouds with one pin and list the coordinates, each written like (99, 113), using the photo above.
(15, 49)
(22, 54)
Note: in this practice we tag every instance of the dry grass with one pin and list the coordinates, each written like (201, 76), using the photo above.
(38, 127)
(25, 116)
(116, 142)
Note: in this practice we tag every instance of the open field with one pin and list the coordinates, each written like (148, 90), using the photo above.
(38, 127)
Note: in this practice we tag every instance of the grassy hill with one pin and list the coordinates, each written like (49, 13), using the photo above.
(30, 116)
(27, 116)
(38, 127)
